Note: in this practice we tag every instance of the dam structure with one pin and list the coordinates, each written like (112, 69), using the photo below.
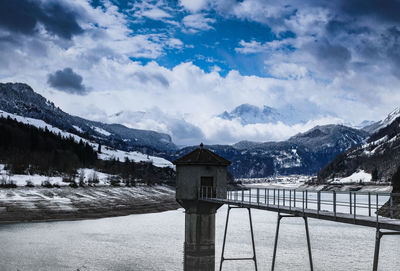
(202, 189)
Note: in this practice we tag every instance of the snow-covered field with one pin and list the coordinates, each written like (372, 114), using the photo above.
(107, 152)
(359, 176)
(37, 180)
(290, 179)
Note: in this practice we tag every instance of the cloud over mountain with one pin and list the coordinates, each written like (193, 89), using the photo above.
(193, 60)
(67, 80)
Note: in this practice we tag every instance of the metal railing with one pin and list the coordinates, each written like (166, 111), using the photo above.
(323, 202)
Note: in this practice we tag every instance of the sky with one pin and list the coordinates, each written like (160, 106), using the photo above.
(175, 66)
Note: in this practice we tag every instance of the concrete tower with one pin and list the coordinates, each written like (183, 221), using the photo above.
(200, 169)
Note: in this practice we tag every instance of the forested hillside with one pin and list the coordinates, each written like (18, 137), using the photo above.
(26, 149)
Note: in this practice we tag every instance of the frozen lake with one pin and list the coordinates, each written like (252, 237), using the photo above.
(155, 242)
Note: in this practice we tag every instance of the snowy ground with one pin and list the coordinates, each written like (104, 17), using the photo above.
(290, 179)
(66, 203)
(37, 180)
(360, 176)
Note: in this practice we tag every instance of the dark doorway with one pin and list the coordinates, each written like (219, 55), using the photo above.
(207, 184)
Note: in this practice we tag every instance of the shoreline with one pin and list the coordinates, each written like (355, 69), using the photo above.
(24, 205)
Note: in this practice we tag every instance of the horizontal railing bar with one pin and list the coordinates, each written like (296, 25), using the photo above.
(238, 259)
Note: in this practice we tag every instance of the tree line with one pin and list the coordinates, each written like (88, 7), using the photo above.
(26, 149)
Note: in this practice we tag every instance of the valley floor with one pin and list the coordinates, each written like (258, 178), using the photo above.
(25, 204)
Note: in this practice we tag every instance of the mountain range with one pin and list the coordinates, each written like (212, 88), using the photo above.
(304, 153)
(379, 156)
(289, 115)
(20, 99)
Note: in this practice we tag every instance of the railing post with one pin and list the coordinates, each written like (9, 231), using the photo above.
(290, 199)
(250, 195)
(242, 194)
(377, 209)
(391, 206)
(278, 199)
(274, 196)
(268, 197)
(284, 192)
(318, 201)
(306, 199)
(369, 203)
(355, 206)
(351, 208)
(303, 201)
(294, 198)
(258, 196)
(334, 203)
(265, 195)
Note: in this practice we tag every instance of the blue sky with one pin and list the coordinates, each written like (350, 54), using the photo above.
(175, 66)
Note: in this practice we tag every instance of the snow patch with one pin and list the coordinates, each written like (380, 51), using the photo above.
(109, 153)
(77, 128)
(356, 177)
(101, 131)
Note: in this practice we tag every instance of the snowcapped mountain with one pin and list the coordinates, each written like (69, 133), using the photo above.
(326, 137)
(304, 153)
(379, 156)
(289, 115)
(20, 99)
(375, 126)
(251, 114)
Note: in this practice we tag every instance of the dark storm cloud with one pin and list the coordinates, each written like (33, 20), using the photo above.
(68, 81)
(145, 77)
(22, 16)
(335, 27)
(387, 10)
(334, 56)
(392, 41)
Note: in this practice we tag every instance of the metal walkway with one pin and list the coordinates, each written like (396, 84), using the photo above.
(357, 208)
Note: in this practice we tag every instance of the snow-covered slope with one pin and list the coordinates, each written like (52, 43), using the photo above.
(106, 152)
(374, 127)
(379, 155)
(20, 99)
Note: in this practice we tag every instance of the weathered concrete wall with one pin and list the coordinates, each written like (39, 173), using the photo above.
(199, 246)
(188, 179)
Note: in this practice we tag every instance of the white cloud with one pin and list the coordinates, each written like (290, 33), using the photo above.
(193, 5)
(184, 100)
(287, 70)
(155, 11)
(220, 131)
(197, 22)
(156, 14)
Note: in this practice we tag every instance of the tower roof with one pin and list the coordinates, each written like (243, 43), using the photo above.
(202, 156)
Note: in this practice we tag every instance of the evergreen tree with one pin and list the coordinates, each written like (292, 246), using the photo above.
(375, 175)
(396, 181)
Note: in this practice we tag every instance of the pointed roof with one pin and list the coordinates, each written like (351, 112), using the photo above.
(202, 156)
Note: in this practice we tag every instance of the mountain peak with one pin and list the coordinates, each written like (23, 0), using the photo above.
(251, 114)
(375, 127)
